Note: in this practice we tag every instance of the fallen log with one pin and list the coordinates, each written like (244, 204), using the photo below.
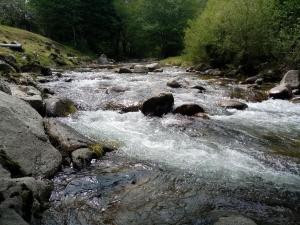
(13, 46)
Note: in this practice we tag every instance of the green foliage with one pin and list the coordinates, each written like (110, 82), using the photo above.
(15, 13)
(227, 31)
(155, 28)
(245, 32)
(87, 24)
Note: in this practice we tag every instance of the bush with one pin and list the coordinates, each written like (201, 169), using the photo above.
(233, 31)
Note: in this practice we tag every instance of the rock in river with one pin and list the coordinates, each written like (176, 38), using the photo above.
(291, 79)
(124, 70)
(68, 140)
(174, 84)
(159, 105)
(189, 110)
(25, 148)
(281, 92)
(81, 158)
(140, 69)
(233, 104)
(56, 107)
(65, 138)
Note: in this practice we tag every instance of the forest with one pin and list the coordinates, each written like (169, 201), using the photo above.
(219, 32)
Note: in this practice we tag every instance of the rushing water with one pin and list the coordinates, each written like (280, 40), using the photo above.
(176, 169)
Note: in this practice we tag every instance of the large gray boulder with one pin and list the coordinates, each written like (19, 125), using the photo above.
(159, 105)
(23, 200)
(68, 140)
(234, 220)
(59, 107)
(291, 79)
(4, 87)
(281, 92)
(24, 144)
(31, 95)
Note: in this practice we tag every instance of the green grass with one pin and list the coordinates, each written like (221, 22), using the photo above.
(177, 61)
(37, 48)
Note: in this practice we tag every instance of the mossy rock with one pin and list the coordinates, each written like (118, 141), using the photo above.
(97, 149)
(56, 107)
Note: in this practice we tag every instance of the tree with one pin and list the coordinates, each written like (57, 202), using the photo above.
(87, 24)
(233, 31)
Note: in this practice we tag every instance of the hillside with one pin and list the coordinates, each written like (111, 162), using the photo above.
(37, 48)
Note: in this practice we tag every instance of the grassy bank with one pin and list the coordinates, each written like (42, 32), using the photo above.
(38, 49)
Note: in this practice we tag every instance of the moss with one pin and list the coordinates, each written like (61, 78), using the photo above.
(97, 149)
(65, 108)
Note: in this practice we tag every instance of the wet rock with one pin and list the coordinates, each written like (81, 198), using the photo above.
(124, 70)
(140, 69)
(30, 95)
(36, 68)
(200, 88)
(281, 92)
(202, 115)
(122, 108)
(117, 89)
(233, 104)
(59, 75)
(158, 71)
(25, 147)
(153, 66)
(189, 110)
(56, 107)
(11, 217)
(174, 84)
(291, 79)
(23, 199)
(158, 106)
(3, 172)
(81, 158)
(68, 80)
(234, 220)
(4, 87)
(131, 108)
(67, 140)
(43, 80)
(296, 100)
(6, 68)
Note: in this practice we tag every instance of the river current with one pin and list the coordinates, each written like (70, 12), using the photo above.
(177, 169)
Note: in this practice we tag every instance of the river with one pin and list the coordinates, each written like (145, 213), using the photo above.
(177, 169)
